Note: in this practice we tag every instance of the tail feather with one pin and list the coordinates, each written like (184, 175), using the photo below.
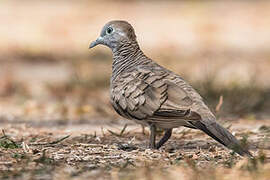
(223, 136)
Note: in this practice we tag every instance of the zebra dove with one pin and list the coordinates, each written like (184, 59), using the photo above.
(143, 91)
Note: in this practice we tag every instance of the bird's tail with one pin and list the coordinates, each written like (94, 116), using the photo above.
(223, 136)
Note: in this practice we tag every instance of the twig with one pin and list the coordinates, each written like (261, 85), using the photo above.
(113, 133)
(220, 102)
(123, 130)
(25, 147)
(90, 145)
(4, 134)
(229, 126)
(102, 131)
(59, 140)
(50, 143)
(121, 133)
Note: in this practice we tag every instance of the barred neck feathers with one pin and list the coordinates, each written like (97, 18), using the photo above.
(126, 56)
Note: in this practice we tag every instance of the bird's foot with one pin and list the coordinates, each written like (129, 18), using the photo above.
(152, 146)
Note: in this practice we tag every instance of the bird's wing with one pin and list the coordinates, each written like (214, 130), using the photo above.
(135, 94)
(151, 94)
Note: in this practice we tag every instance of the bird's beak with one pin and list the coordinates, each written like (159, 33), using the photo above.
(98, 41)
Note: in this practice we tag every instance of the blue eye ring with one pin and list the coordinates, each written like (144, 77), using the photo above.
(109, 30)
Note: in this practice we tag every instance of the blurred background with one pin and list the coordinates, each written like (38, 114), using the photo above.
(48, 75)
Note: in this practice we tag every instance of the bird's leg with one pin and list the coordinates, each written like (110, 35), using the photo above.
(152, 143)
(143, 130)
(164, 139)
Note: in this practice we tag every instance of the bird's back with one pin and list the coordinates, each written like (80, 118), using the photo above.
(150, 92)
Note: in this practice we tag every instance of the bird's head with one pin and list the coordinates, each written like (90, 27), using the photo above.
(115, 33)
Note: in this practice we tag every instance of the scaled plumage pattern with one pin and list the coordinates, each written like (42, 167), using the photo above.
(143, 91)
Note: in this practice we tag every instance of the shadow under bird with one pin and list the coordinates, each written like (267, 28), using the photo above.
(143, 91)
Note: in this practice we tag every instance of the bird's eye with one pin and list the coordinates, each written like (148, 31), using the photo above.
(109, 30)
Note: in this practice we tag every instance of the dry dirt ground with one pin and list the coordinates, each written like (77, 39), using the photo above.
(116, 151)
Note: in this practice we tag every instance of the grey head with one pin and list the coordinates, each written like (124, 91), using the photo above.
(115, 33)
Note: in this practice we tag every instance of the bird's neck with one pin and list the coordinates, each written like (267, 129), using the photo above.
(126, 56)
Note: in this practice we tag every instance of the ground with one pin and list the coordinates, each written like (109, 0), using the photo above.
(117, 151)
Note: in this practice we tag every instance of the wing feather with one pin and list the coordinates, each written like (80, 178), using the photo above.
(153, 95)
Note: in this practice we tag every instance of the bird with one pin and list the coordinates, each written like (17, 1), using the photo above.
(151, 95)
